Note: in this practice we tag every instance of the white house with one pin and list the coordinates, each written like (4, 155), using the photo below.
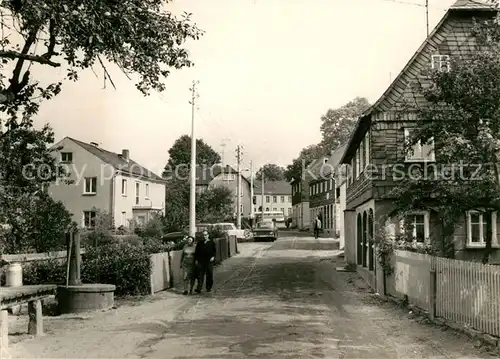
(106, 181)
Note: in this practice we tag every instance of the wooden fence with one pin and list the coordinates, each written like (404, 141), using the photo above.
(467, 293)
(35, 257)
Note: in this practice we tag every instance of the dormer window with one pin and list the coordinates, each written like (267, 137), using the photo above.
(441, 63)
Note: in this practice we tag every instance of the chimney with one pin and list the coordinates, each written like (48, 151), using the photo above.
(94, 144)
(125, 155)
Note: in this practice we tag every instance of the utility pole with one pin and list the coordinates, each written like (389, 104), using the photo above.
(427, 15)
(262, 194)
(192, 198)
(251, 193)
(238, 187)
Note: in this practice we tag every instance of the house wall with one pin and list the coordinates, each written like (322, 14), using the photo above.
(341, 219)
(84, 164)
(350, 236)
(285, 203)
(125, 202)
(232, 185)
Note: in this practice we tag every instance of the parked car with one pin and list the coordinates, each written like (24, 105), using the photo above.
(173, 237)
(231, 230)
(265, 230)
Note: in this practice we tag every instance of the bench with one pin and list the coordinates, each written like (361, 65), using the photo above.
(31, 294)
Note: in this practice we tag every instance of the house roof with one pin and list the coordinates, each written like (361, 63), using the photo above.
(460, 5)
(116, 160)
(273, 187)
(330, 166)
(471, 4)
(206, 174)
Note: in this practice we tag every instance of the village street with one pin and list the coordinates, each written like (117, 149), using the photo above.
(270, 301)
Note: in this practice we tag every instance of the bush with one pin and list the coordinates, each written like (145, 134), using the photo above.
(123, 264)
(154, 245)
(51, 271)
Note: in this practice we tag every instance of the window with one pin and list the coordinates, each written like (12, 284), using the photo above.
(89, 219)
(275, 199)
(141, 220)
(420, 152)
(241, 208)
(124, 219)
(282, 199)
(477, 227)
(228, 177)
(290, 199)
(90, 185)
(367, 148)
(67, 157)
(283, 210)
(310, 190)
(147, 190)
(353, 169)
(362, 156)
(275, 209)
(267, 199)
(337, 193)
(441, 63)
(124, 187)
(289, 211)
(416, 226)
(267, 209)
(357, 164)
(137, 184)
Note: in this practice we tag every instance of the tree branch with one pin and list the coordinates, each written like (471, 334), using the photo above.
(34, 58)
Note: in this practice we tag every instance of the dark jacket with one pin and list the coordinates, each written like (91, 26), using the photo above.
(204, 251)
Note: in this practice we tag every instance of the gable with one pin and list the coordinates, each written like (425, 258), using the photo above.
(453, 37)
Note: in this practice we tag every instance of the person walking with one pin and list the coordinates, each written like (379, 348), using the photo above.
(188, 265)
(205, 257)
(317, 227)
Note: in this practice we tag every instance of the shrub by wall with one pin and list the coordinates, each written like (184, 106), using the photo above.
(50, 271)
(123, 264)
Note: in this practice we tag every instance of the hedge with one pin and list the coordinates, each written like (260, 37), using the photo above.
(121, 263)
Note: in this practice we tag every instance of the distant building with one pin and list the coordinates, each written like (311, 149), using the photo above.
(209, 177)
(325, 192)
(277, 197)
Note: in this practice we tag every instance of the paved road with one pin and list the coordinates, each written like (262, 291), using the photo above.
(268, 302)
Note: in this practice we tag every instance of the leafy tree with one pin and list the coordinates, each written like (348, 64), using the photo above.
(176, 205)
(214, 205)
(271, 172)
(306, 156)
(463, 117)
(36, 223)
(180, 156)
(140, 37)
(338, 124)
(27, 167)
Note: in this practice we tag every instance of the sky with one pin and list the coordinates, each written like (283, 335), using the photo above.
(268, 70)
